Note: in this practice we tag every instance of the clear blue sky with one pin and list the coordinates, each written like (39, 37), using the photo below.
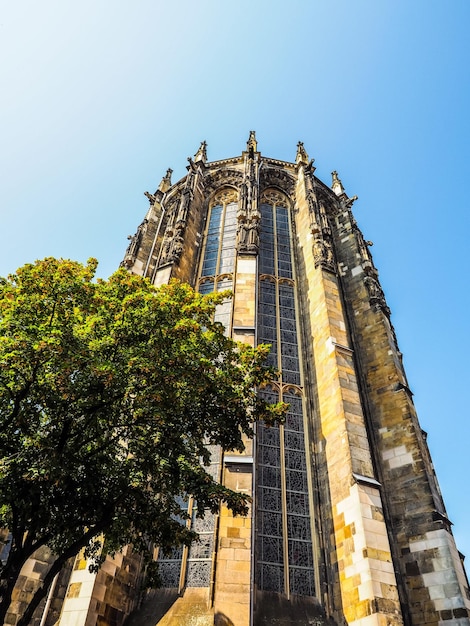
(99, 97)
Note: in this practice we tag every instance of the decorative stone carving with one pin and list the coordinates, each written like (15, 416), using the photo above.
(165, 183)
(248, 237)
(242, 207)
(172, 246)
(348, 202)
(301, 156)
(366, 257)
(272, 196)
(224, 196)
(336, 184)
(221, 178)
(201, 154)
(252, 144)
(325, 226)
(323, 255)
(134, 245)
(376, 295)
(270, 177)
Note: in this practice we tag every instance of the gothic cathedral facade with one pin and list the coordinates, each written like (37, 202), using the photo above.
(347, 521)
(347, 524)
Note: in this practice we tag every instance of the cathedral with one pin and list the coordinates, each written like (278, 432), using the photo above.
(347, 524)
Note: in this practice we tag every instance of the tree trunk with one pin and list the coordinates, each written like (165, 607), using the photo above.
(55, 568)
(41, 592)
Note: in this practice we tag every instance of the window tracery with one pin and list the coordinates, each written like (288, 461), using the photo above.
(284, 562)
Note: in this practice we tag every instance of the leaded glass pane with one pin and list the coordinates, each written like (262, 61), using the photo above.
(270, 499)
(209, 265)
(296, 480)
(223, 311)
(169, 567)
(295, 404)
(271, 549)
(283, 243)
(288, 337)
(301, 581)
(288, 325)
(203, 524)
(293, 421)
(206, 287)
(286, 296)
(268, 455)
(198, 573)
(288, 349)
(270, 523)
(271, 577)
(299, 527)
(269, 476)
(227, 256)
(297, 503)
(269, 293)
(290, 377)
(169, 572)
(295, 459)
(269, 333)
(266, 257)
(215, 452)
(200, 553)
(268, 435)
(294, 440)
(300, 553)
(202, 549)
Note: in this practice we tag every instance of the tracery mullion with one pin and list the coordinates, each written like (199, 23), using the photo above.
(281, 428)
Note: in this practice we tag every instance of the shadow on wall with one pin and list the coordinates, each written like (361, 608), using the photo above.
(155, 604)
(222, 620)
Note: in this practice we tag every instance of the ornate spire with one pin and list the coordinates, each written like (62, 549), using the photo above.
(336, 184)
(166, 181)
(301, 156)
(201, 154)
(252, 144)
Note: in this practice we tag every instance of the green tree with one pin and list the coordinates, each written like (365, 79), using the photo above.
(109, 393)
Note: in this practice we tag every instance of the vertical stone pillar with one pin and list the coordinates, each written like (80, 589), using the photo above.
(365, 591)
(434, 585)
(232, 598)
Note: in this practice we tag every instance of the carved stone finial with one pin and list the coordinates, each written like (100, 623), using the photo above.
(201, 154)
(252, 144)
(336, 184)
(166, 181)
(302, 156)
(150, 197)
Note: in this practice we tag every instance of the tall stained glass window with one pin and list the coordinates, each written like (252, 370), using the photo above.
(219, 251)
(284, 550)
(193, 567)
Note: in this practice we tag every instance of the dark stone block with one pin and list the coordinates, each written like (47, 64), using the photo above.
(412, 569)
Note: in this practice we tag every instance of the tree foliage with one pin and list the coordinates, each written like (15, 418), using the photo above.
(109, 393)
